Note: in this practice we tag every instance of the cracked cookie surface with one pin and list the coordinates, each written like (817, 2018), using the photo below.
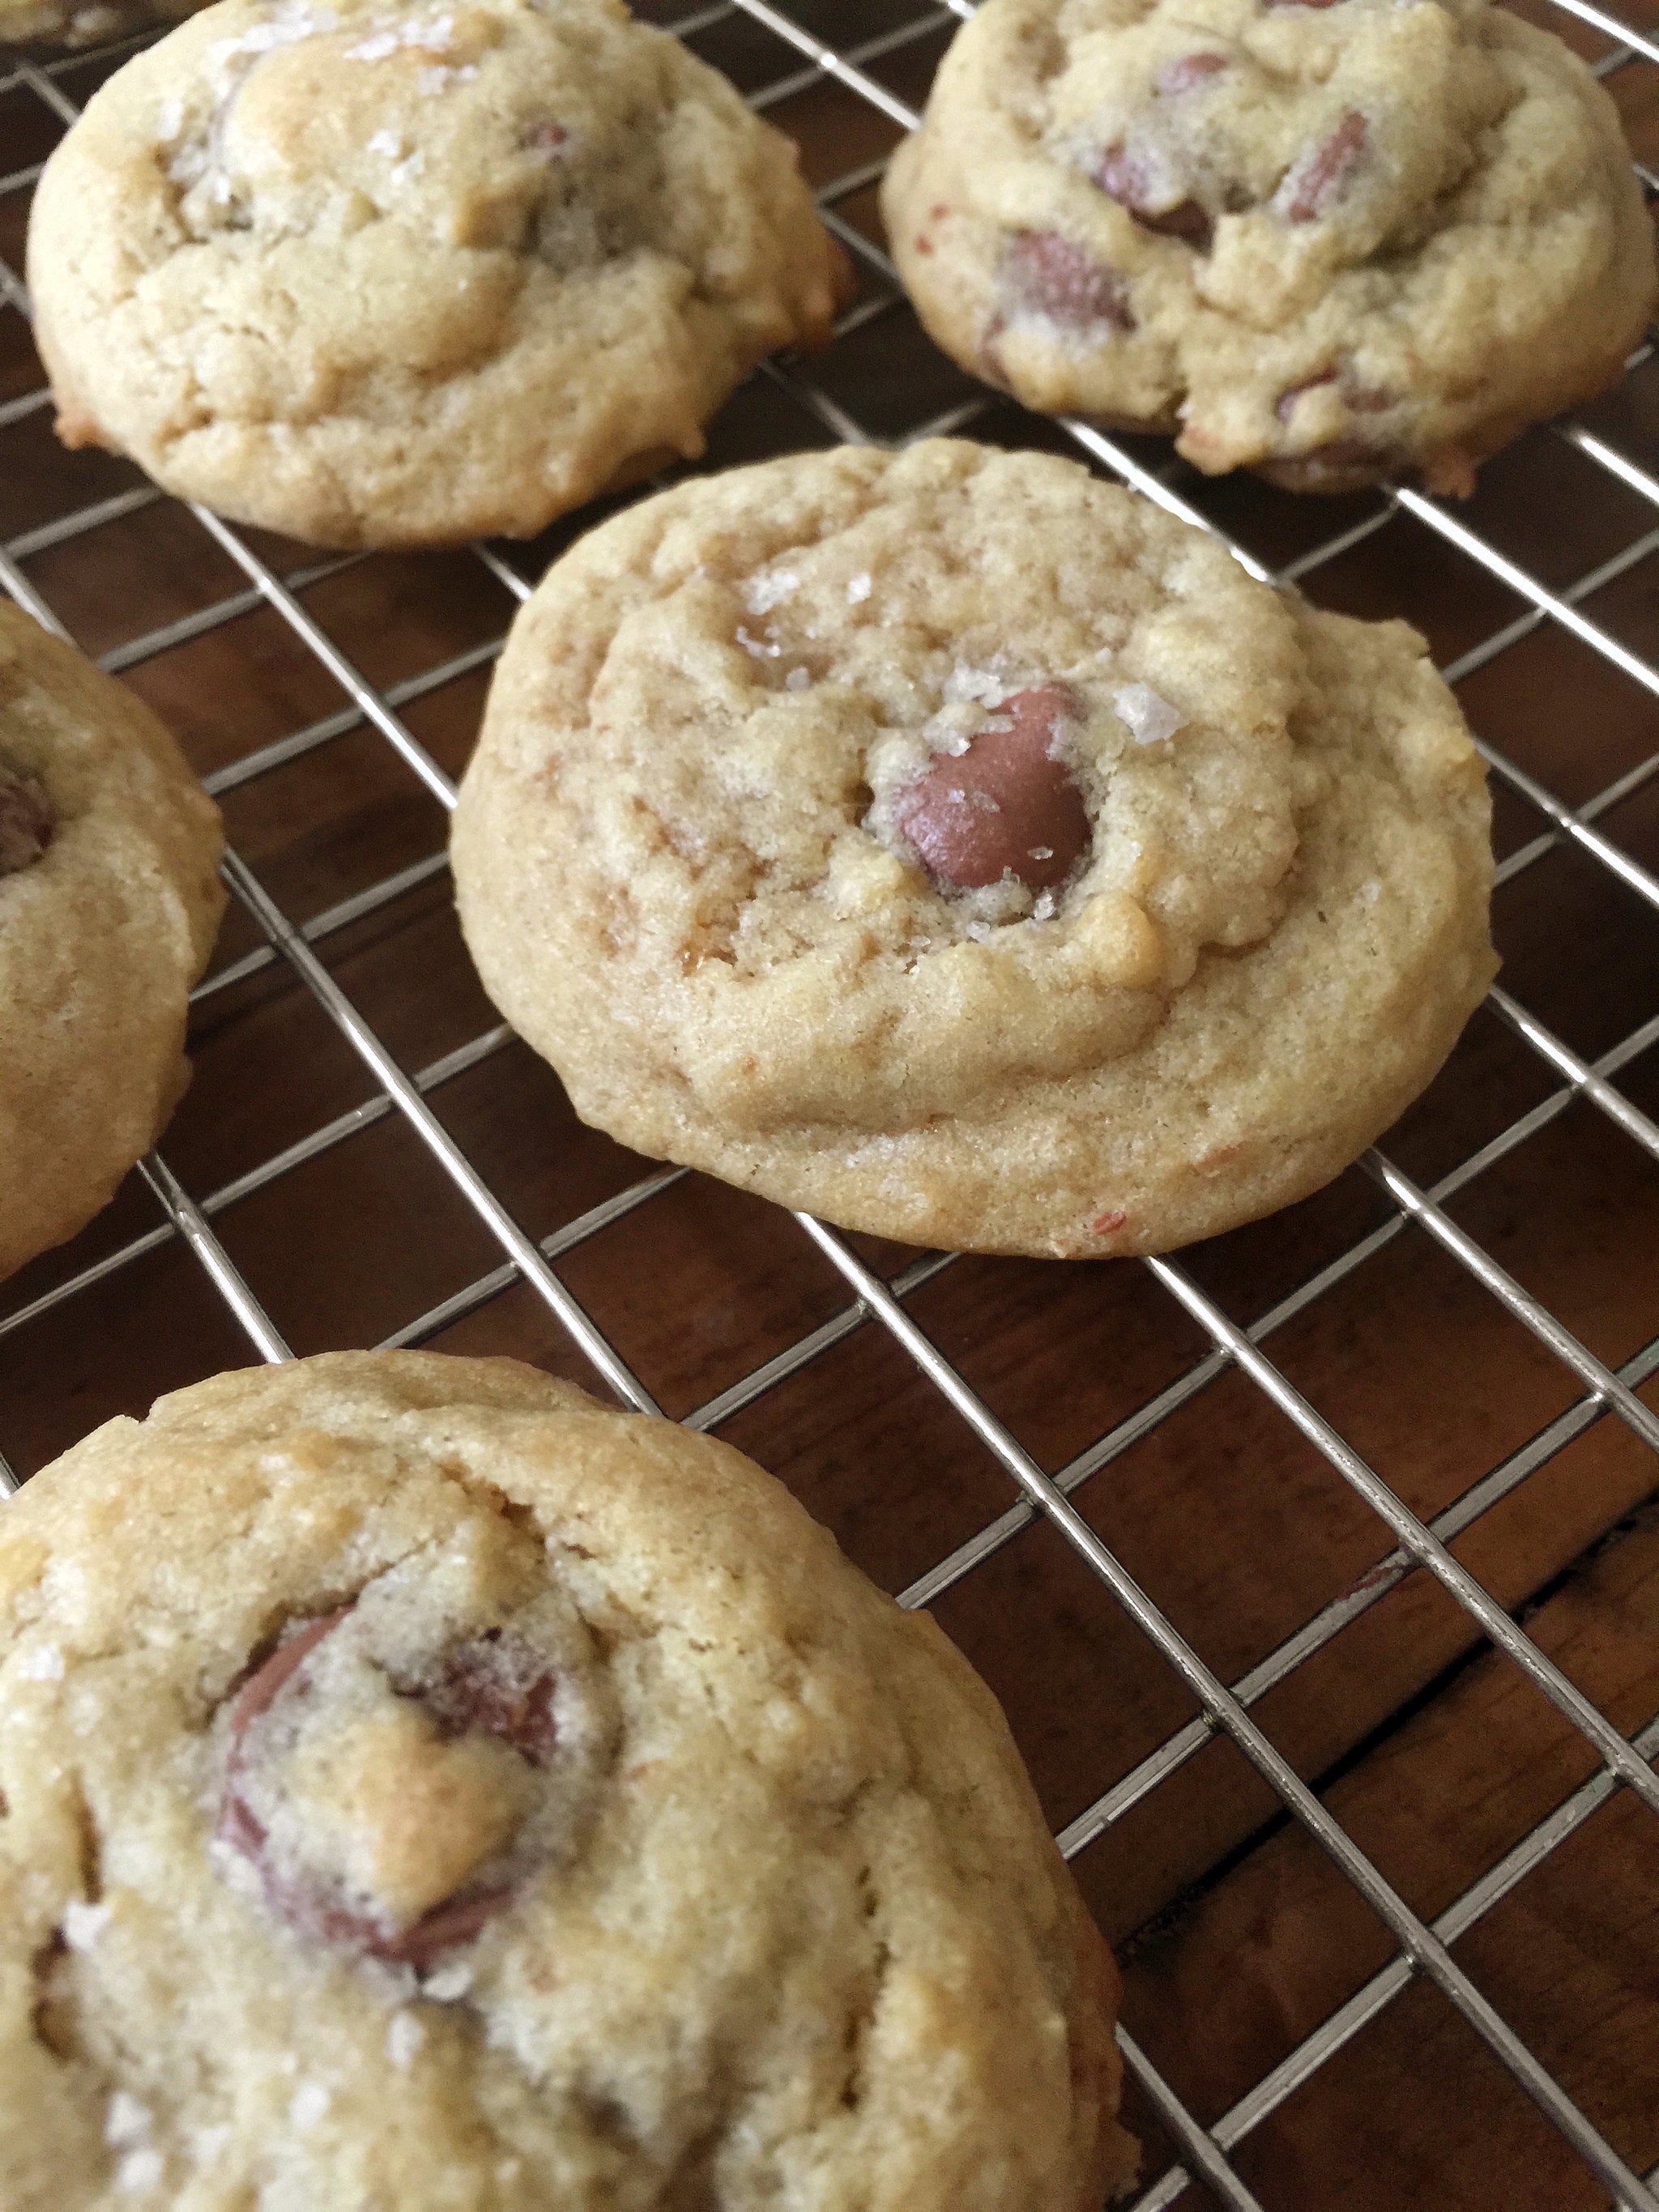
(1332, 242)
(109, 899)
(774, 1916)
(374, 275)
(760, 849)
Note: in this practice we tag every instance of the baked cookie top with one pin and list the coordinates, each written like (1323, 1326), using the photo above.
(958, 845)
(425, 1789)
(378, 274)
(109, 899)
(1332, 240)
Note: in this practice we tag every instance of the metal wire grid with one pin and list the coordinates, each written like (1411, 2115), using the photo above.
(1225, 1709)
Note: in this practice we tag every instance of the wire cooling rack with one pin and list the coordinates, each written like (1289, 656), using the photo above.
(1559, 552)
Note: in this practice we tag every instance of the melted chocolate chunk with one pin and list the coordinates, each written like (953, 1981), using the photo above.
(1357, 398)
(1321, 177)
(493, 1682)
(1181, 76)
(1049, 275)
(27, 821)
(1125, 177)
(1345, 453)
(1005, 805)
(1284, 405)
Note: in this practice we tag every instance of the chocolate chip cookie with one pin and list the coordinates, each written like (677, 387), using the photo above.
(1332, 241)
(84, 22)
(423, 1788)
(109, 899)
(964, 849)
(382, 274)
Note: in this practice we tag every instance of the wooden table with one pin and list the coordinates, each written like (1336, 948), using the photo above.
(1238, 1936)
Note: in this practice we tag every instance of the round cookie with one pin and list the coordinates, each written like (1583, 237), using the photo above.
(109, 900)
(84, 22)
(381, 275)
(962, 848)
(1331, 242)
(427, 1789)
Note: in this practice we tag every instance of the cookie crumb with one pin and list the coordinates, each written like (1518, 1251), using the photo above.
(798, 679)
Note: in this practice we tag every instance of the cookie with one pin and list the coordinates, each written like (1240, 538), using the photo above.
(84, 22)
(427, 1789)
(1330, 242)
(401, 275)
(109, 900)
(964, 849)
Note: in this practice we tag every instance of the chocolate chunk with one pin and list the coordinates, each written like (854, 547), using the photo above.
(498, 1684)
(1006, 806)
(259, 1692)
(1345, 453)
(27, 821)
(493, 1682)
(1126, 179)
(1178, 76)
(1319, 178)
(1357, 398)
(1049, 275)
(990, 360)
(1285, 404)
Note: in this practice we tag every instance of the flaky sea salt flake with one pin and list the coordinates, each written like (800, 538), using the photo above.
(770, 590)
(139, 2171)
(859, 587)
(1147, 715)
(126, 2121)
(311, 2100)
(82, 1924)
(448, 1982)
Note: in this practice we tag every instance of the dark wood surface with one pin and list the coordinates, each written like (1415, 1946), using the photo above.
(1236, 1934)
